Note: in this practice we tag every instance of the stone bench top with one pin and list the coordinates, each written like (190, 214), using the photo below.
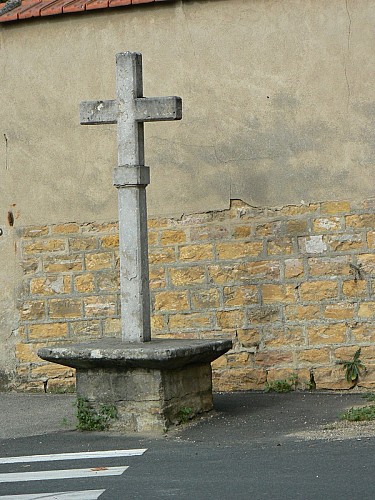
(157, 354)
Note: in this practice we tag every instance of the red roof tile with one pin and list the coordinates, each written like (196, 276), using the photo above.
(10, 11)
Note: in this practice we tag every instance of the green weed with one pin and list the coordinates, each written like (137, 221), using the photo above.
(184, 414)
(359, 414)
(353, 368)
(286, 385)
(369, 396)
(90, 419)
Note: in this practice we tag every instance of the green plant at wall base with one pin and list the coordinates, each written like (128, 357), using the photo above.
(359, 414)
(369, 396)
(184, 414)
(286, 385)
(353, 367)
(90, 419)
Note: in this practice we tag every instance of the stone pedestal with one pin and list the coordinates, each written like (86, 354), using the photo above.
(153, 384)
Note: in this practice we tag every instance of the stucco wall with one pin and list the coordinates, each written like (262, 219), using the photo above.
(278, 109)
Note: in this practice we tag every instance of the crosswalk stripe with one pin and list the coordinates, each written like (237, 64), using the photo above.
(73, 456)
(60, 495)
(13, 477)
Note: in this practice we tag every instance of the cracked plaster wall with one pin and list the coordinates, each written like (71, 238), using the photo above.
(279, 107)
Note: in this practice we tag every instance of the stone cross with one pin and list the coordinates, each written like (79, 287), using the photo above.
(129, 110)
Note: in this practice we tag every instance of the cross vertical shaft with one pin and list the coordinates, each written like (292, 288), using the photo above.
(133, 244)
(129, 84)
(129, 111)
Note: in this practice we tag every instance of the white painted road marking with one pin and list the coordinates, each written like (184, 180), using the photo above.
(14, 477)
(63, 495)
(73, 456)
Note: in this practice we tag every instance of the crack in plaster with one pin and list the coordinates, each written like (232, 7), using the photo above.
(349, 32)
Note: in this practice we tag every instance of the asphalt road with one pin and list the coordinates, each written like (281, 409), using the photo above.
(253, 446)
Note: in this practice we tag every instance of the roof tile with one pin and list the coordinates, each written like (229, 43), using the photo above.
(29, 9)
(74, 6)
(97, 4)
(37, 8)
(119, 3)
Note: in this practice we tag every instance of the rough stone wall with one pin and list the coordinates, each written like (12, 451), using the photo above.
(294, 287)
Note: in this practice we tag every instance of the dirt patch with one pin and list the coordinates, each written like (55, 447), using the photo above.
(337, 431)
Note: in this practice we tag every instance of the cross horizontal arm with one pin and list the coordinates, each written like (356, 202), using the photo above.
(98, 112)
(151, 109)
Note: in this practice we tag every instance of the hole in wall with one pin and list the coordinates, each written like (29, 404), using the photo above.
(10, 218)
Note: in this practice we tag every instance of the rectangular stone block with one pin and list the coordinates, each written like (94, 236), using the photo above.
(32, 310)
(303, 312)
(65, 308)
(205, 298)
(109, 241)
(62, 263)
(240, 295)
(85, 329)
(345, 242)
(185, 276)
(249, 337)
(367, 310)
(360, 221)
(102, 305)
(100, 227)
(52, 285)
(196, 252)
(313, 356)
(267, 269)
(229, 251)
(43, 246)
(108, 281)
(69, 228)
(331, 378)
(172, 237)
(354, 288)
(329, 266)
(334, 207)
(327, 334)
(278, 293)
(367, 263)
(241, 232)
(326, 224)
(190, 321)
(26, 353)
(83, 243)
(293, 210)
(239, 379)
(100, 260)
(294, 268)
(339, 311)
(84, 283)
(280, 246)
(161, 255)
(296, 227)
(290, 336)
(273, 358)
(171, 301)
(371, 239)
(46, 331)
(157, 277)
(259, 315)
(363, 332)
(318, 290)
(230, 319)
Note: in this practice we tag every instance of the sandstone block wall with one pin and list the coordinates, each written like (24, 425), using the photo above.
(293, 287)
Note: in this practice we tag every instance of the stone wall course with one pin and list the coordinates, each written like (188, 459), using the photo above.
(293, 287)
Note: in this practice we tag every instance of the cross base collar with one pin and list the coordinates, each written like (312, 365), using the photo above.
(131, 175)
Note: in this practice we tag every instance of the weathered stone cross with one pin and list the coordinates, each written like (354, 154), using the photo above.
(131, 177)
